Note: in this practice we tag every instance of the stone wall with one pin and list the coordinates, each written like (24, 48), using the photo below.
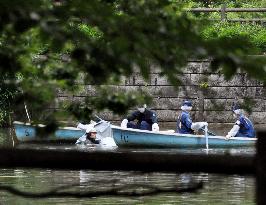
(211, 95)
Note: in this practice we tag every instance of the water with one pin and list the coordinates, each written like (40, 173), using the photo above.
(217, 189)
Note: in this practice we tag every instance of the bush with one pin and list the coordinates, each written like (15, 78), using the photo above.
(255, 34)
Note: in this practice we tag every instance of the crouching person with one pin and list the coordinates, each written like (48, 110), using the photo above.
(145, 119)
(243, 127)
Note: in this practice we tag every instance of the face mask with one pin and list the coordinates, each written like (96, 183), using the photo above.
(141, 109)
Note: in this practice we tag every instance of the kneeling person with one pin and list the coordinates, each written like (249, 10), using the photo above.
(243, 126)
(146, 120)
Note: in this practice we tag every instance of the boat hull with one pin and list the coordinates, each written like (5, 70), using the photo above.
(26, 132)
(148, 139)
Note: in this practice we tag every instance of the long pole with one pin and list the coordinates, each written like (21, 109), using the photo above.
(206, 136)
(26, 109)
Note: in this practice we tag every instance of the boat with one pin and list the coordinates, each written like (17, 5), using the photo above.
(26, 132)
(128, 137)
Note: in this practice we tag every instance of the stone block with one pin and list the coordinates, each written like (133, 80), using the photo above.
(225, 92)
(256, 92)
(258, 117)
(219, 116)
(216, 99)
(205, 67)
(193, 67)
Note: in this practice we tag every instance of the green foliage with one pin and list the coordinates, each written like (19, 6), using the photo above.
(118, 101)
(93, 32)
(254, 34)
(204, 85)
(259, 38)
(228, 3)
(247, 105)
(54, 46)
(7, 96)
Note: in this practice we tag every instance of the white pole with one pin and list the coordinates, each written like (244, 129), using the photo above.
(26, 109)
(206, 136)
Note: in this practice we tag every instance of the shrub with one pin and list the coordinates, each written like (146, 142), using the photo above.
(255, 34)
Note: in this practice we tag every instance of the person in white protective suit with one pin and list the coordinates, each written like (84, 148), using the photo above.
(146, 119)
(184, 121)
(91, 137)
(243, 127)
(97, 133)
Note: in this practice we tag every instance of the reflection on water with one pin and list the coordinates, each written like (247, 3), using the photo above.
(217, 189)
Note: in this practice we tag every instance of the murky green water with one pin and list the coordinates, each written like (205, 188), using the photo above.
(217, 189)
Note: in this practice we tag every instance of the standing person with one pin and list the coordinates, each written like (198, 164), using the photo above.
(243, 127)
(146, 119)
(184, 121)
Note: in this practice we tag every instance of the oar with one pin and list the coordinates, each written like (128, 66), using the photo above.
(98, 118)
(209, 132)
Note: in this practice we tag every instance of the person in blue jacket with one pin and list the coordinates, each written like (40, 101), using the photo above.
(184, 121)
(146, 119)
(243, 127)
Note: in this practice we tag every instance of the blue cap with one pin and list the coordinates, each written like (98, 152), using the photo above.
(187, 103)
(235, 107)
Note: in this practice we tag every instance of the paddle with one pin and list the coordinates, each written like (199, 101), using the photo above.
(209, 132)
(99, 118)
